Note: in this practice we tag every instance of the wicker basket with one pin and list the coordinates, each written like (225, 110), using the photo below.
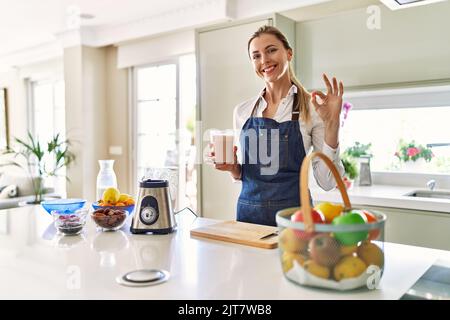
(346, 254)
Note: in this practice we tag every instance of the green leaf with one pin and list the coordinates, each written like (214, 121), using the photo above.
(358, 150)
(350, 166)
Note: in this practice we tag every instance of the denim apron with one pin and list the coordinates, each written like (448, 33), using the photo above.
(262, 195)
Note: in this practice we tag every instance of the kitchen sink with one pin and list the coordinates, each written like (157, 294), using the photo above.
(429, 194)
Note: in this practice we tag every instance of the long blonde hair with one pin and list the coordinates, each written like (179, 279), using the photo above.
(303, 94)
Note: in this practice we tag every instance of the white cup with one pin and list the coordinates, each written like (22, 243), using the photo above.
(223, 143)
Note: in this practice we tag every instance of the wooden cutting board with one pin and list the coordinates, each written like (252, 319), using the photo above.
(239, 232)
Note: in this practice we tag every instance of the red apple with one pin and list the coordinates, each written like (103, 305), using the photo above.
(298, 217)
(373, 234)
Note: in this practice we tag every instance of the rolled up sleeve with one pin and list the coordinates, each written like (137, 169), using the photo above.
(322, 173)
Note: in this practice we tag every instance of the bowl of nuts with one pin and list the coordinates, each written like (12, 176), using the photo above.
(109, 219)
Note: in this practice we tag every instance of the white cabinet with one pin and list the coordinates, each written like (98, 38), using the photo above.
(417, 228)
(408, 47)
(226, 78)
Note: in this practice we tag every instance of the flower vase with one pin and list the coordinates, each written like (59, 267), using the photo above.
(413, 166)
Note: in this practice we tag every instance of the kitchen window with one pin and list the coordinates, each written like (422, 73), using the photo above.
(383, 122)
(385, 128)
(164, 117)
(47, 103)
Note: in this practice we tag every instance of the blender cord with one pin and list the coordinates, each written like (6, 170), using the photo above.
(176, 212)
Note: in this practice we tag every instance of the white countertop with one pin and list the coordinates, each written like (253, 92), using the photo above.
(383, 196)
(36, 263)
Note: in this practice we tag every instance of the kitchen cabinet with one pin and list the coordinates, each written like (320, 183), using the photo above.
(417, 228)
(225, 78)
(400, 51)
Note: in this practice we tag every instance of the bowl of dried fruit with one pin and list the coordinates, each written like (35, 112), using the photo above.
(109, 219)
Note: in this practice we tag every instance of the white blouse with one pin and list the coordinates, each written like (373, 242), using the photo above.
(313, 134)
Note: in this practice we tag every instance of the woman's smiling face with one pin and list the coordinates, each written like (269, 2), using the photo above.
(269, 57)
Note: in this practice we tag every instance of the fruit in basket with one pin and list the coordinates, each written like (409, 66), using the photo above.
(111, 196)
(373, 234)
(324, 250)
(349, 267)
(348, 250)
(288, 258)
(370, 253)
(350, 238)
(289, 242)
(316, 269)
(298, 217)
(329, 210)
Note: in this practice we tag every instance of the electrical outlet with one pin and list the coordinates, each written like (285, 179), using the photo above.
(115, 150)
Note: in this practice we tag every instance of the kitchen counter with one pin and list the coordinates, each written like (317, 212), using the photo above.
(384, 196)
(37, 263)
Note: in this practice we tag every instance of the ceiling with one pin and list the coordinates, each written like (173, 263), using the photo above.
(325, 9)
(25, 23)
(30, 29)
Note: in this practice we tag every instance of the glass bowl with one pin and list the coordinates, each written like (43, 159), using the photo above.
(63, 205)
(128, 209)
(109, 219)
(69, 223)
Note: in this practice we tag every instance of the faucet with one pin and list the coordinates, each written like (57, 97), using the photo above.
(431, 184)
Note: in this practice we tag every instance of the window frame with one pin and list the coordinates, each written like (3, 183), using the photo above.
(133, 112)
(30, 84)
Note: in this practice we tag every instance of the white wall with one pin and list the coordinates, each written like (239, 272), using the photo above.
(412, 45)
(53, 68)
(155, 49)
(117, 117)
(17, 103)
(85, 79)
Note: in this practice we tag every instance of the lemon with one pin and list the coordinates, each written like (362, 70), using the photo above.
(289, 242)
(111, 196)
(124, 197)
(370, 253)
(349, 267)
(329, 210)
(287, 260)
(316, 269)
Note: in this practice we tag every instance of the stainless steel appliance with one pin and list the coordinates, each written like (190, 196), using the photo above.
(153, 212)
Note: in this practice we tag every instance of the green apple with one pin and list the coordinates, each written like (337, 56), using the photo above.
(350, 238)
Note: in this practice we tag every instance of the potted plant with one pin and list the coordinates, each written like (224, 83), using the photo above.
(358, 150)
(361, 154)
(351, 170)
(412, 155)
(34, 156)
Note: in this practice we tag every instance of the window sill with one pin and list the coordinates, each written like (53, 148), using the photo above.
(389, 196)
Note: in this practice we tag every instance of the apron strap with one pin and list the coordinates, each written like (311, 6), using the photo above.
(295, 109)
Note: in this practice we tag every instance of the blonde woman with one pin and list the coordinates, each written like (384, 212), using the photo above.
(285, 115)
